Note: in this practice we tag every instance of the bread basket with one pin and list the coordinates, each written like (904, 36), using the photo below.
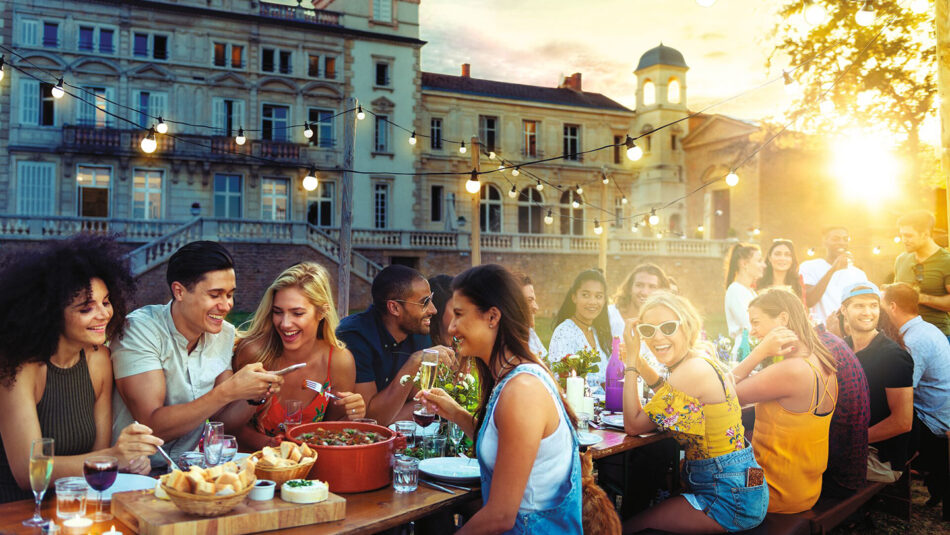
(281, 475)
(205, 505)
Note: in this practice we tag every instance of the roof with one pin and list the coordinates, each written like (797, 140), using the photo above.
(533, 93)
(661, 55)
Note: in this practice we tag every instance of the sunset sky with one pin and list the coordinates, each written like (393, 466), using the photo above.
(538, 41)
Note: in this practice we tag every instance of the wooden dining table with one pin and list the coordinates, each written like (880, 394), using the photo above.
(366, 512)
(617, 441)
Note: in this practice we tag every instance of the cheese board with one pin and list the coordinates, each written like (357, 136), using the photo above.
(147, 515)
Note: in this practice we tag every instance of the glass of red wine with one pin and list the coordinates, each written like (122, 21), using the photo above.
(421, 416)
(100, 472)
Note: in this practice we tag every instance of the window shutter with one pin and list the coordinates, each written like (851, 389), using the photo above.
(86, 112)
(217, 120)
(29, 32)
(109, 106)
(35, 188)
(238, 109)
(30, 102)
(157, 103)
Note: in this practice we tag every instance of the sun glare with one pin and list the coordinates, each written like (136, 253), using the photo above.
(865, 168)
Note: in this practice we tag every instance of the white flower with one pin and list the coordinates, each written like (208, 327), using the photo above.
(404, 379)
(470, 379)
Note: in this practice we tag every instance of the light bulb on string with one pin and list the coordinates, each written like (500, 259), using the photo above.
(732, 179)
(792, 87)
(513, 192)
(539, 186)
(635, 227)
(659, 235)
(515, 172)
(810, 251)
(815, 13)
(598, 230)
(307, 131)
(876, 250)
(605, 180)
(700, 229)
(579, 190)
(548, 217)
(148, 142)
(310, 182)
(897, 239)
(633, 151)
(865, 15)
(491, 155)
(360, 114)
(623, 200)
(654, 219)
(58, 90)
(161, 127)
(472, 185)
(412, 138)
(919, 6)
(575, 204)
(240, 139)
(462, 149)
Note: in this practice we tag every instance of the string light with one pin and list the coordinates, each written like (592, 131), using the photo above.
(514, 192)
(865, 15)
(57, 90)
(516, 172)
(360, 114)
(240, 139)
(412, 138)
(148, 142)
(462, 149)
(161, 127)
(876, 250)
(917, 6)
(756, 231)
(623, 200)
(810, 251)
(659, 235)
(549, 217)
(700, 229)
(635, 227)
(897, 239)
(815, 13)
(605, 180)
(654, 219)
(307, 131)
(491, 155)
(539, 186)
(598, 230)
(633, 151)
(792, 87)
(578, 189)
(1, 67)
(575, 204)
(472, 185)
(732, 179)
(310, 181)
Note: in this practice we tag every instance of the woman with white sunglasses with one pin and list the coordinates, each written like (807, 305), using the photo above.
(697, 403)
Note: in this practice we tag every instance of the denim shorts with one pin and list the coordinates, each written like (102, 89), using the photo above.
(717, 487)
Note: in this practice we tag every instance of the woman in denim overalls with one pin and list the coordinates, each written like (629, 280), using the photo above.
(526, 443)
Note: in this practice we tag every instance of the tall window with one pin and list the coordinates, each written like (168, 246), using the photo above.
(380, 205)
(313, 65)
(93, 185)
(673, 141)
(275, 199)
(618, 212)
(150, 45)
(382, 74)
(572, 219)
(530, 211)
(228, 116)
(29, 30)
(647, 144)
(490, 209)
(488, 131)
(151, 104)
(572, 142)
(147, 193)
(435, 133)
(673, 91)
(37, 105)
(530, 144)
(227, 196)
(649, 93)
(329, 67)
(382, 133)
(436, 201)
(36, 188)
(228, 55)
(276, 60)
(51, 34)
(321, 122)
(320, 208)
(383, 10)
(92, 111)
(96, 39)
(274, 122)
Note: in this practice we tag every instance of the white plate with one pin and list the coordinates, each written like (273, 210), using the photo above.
(452, 469)
(431, 429)
(613, 420)
(588, 439)
(124, 483)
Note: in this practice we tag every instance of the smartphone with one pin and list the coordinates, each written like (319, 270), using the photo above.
(754, 476)
(289, 369)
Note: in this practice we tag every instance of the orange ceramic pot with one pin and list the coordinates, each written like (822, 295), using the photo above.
(351, 468)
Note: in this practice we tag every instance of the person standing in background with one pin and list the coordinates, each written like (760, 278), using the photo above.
(781, 268)
(744, 266)
(633, 292)
(926, 267)
(534, 341)
(825, 278)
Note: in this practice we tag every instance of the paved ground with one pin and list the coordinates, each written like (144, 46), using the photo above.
(925, 520)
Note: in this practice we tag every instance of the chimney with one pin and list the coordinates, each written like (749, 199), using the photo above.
(466, 70)
(572, 82)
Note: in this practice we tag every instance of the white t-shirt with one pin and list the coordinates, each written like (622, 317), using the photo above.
(813, 270)
(617, 322)
(738, 298)
(535, 344)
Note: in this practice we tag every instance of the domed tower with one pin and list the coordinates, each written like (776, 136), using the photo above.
(661, 99)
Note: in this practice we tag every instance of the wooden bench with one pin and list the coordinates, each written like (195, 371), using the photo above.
(776, 524)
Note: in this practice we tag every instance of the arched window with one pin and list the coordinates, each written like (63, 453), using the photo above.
(530, 211)
(490, 209)
(673, 91)
(572, 219)
(649, 93)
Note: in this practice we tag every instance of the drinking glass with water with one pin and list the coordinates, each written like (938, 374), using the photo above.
(405, 473)
(71, 497)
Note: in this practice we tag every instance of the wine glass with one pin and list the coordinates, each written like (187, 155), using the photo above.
(212, 448)
(41, 468)
(229, 447)
(455, 434)
(427, 374)
(421, 416)
(100, 472)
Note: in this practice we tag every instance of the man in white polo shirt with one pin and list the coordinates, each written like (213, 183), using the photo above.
(825, 278)
(173, 366)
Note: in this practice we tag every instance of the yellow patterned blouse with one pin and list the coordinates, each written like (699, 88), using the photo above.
(705, 430)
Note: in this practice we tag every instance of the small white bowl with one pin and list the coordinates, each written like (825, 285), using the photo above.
(263, 490)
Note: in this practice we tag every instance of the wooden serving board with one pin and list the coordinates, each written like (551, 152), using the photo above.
(147, 515)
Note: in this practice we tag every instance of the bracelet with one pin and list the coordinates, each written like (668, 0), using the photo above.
(631, 369)
(656, 384)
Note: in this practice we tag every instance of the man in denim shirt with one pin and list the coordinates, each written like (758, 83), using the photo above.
(931, 353)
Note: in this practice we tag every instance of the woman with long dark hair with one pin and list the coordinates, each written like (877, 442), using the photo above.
(744, 266)
(781, 268)
(58, 306)
(582, 323)
(523, 429)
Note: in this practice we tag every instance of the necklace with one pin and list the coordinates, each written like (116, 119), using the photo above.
(680, 361)
(586, 329)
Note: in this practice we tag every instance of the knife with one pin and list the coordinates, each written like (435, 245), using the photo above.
(459, 487)
(436, 487)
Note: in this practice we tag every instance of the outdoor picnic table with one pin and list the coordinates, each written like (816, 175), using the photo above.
(616, 441)
(366, 512)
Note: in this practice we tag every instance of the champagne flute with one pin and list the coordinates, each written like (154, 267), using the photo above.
(455, 434)
(100, 472)
(427, 374)
(41, 468)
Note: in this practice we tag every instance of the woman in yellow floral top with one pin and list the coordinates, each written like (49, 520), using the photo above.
(698, 405)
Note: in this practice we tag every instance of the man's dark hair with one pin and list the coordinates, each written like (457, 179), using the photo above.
(189, 264)
(523, 278)
(393, 282)
(828, 230)
(920, 220)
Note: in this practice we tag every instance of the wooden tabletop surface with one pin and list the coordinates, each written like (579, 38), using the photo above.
(366, 512)
(615, 441)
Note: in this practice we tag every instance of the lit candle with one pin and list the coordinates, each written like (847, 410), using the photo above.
(112, 531)
(77, 523)
(588, 406)
(575, 392)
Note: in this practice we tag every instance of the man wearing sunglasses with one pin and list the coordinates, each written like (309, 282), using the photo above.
(387, 340)
(926, 267)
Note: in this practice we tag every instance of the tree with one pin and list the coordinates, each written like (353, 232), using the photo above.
(886, 80)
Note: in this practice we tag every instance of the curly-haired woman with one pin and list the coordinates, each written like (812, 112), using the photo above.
(58, 306)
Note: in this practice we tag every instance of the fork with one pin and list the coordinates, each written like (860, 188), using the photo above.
(318, 388)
